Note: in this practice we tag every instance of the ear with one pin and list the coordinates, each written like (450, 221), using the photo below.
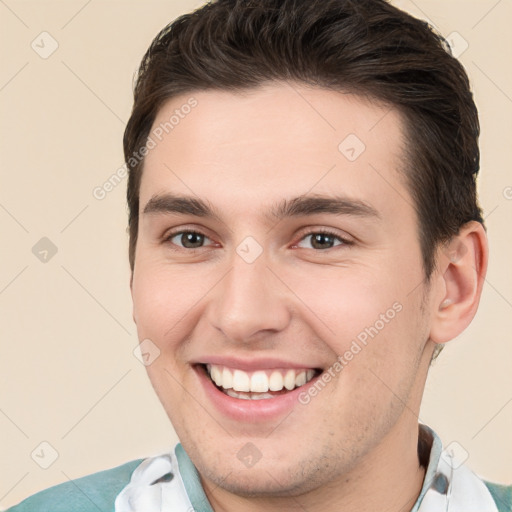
(461, 267)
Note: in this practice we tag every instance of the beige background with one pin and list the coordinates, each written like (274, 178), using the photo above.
(68, 376)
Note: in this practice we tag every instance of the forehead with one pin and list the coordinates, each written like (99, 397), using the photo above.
(252, 148)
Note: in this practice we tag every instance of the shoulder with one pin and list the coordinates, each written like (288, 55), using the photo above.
(90, 493)
(502, 495)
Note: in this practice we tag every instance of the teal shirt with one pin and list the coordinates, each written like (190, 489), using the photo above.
(502, 495)
(97, 492)
(92, 493)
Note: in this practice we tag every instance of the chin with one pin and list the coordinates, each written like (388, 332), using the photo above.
(269, 477)
(263, 483)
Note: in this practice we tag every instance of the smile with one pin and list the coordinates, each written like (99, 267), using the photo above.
(260, 384)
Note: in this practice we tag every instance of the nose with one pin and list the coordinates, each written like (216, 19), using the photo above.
(250, 303)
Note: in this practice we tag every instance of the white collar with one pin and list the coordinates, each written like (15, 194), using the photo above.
(155, 486)
(449, 486)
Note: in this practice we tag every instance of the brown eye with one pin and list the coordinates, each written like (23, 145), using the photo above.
(321, 240)
(188, 239)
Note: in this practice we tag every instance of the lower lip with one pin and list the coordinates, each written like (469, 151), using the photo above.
(251, 411)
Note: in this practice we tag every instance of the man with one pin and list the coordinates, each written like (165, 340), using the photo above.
(304, 237)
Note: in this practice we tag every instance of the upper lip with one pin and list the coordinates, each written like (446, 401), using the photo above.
(254, 364)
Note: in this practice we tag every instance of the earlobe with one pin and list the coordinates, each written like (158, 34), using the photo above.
(462, 264)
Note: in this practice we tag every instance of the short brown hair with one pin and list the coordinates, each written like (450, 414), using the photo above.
(367, 47)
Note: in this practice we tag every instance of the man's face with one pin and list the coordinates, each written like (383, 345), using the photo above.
(266, 300)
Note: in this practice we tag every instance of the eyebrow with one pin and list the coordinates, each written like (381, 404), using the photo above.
(296, 207)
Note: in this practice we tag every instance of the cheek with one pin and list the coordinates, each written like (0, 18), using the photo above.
(346, 302)
(369, 319)
(382, 360)
(163, 300)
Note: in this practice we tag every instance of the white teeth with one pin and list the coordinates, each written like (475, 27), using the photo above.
(276, 383)
(261, 396)
(289, 380)
(227, 379)
(300, 379)
(234, 394)
(259, 383)
(216, 375)
(241, 381)
(248, 396)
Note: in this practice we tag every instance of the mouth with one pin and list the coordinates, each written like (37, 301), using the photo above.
(260, 384)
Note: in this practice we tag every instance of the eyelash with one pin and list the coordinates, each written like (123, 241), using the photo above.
(332, 234)
(320, 231)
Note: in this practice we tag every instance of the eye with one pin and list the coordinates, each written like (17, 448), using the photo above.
(322, 240)
(188, 239)
(319, 240)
